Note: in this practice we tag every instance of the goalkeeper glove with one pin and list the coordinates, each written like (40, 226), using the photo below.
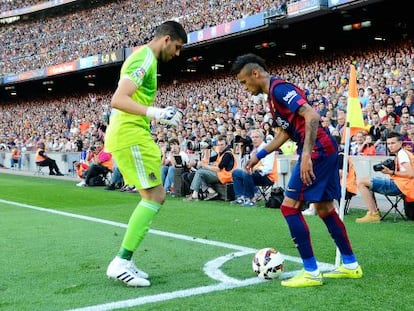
(169, 116)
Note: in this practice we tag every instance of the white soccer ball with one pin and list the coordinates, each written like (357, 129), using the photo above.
(267, 263)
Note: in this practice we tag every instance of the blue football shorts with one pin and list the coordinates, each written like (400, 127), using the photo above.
(325, 187)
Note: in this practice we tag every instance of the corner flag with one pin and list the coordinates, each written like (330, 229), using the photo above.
(354, 117)
(354, 124)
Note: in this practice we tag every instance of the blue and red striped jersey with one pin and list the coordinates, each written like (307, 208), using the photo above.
(284, 101)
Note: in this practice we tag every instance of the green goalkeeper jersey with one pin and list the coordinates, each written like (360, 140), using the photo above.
(126, 129)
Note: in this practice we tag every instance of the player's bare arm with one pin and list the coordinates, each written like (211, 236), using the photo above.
(280, 138)
(311, 128)
(122, 98)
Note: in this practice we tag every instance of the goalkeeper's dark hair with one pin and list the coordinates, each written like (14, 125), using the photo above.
(172, 28)
(251, 61)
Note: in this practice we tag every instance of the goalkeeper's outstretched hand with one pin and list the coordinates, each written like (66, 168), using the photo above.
(172, 117)
(169, 116)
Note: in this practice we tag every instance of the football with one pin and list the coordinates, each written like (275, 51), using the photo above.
(267, 263)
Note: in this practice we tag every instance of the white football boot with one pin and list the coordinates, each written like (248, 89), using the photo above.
(126, 271)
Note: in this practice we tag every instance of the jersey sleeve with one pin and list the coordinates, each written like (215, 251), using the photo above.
(287, 95)
(138, 66)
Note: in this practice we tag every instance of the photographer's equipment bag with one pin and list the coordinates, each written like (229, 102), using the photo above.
(96, 181)
(409, 210)
(276, 198)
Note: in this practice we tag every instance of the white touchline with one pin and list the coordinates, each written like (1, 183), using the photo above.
(211, 268)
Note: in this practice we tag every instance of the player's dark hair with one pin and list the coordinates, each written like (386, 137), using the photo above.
(173, 29)
(251, 59)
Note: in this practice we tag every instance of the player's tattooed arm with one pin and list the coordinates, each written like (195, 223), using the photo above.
(311, 126)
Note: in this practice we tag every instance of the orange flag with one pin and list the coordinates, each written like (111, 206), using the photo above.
(354, 110)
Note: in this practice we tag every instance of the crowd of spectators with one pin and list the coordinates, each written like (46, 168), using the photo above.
(64, 124)
(35, 44)
(7, 5)
(218, 105)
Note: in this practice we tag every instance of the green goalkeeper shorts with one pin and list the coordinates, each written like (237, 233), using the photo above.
(140, 165)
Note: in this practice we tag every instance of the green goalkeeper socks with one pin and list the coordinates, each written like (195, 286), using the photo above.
(125, 254)
(138, 227)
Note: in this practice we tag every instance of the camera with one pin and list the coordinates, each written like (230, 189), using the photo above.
(389, 163)
(197, 146)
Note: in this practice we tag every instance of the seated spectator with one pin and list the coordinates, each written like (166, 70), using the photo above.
(170, 155)
(404, 125)
(367, 125)
(245, 141)
(401, 180)
(116, 178)
(80, 168)
(267, 129)
(16, 157)
(351, 179)
(200, 157)
(376, 128)
(217, 172)
(263, 174)
(357, 143)
(408, 144)
(188, 175)
(368, 148)
(43, 160)
(390, 111)
(101, 163)
(327, 123)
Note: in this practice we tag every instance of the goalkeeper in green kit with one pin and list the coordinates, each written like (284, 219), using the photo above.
(129, 140)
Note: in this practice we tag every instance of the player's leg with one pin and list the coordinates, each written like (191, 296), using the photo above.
(140, 167)
(329, 190)
(350, 267)
(299, 232)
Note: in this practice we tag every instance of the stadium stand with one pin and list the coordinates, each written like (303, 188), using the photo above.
(214, 103)
(68, 35)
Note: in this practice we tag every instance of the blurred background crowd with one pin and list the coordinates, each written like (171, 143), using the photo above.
(214, 104)
(105, 28)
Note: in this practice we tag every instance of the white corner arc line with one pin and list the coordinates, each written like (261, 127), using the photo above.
(211, 268)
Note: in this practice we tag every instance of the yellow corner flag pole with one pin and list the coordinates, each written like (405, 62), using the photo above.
(354, 124)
